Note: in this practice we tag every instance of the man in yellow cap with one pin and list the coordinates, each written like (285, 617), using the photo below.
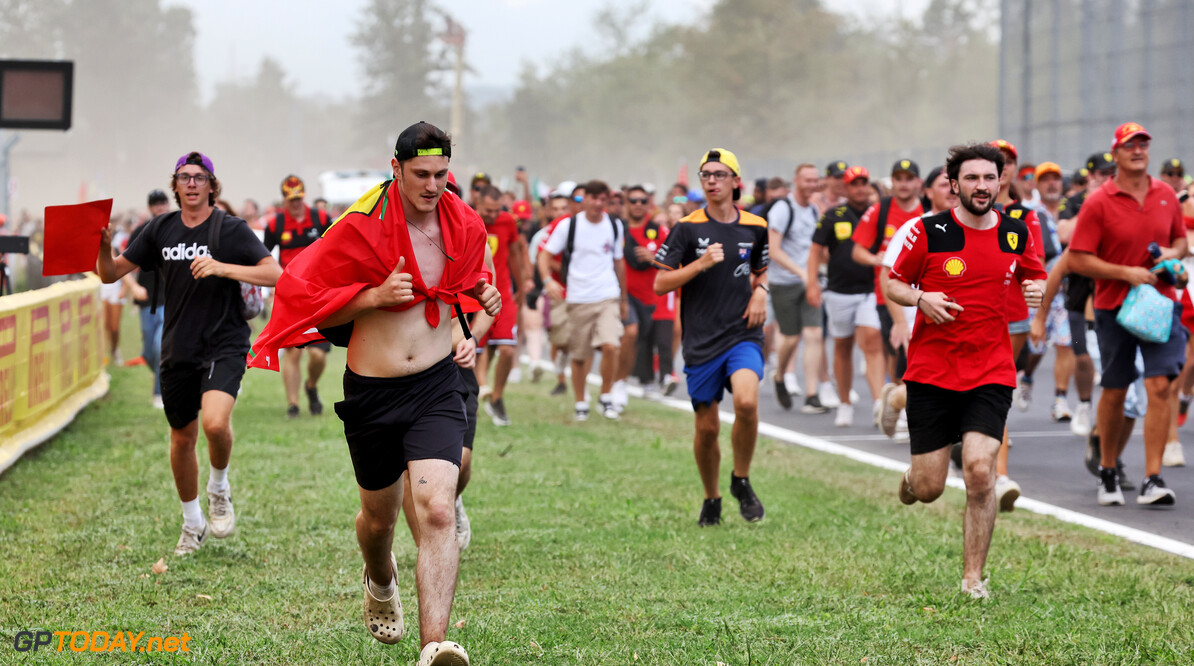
(718, 254)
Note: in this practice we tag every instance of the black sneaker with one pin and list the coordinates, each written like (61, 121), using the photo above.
(781, 393)
(1124, 483)
(292, 412)
(497, 411)
(748, 503)
(560, 389)
(1155, 493)
(313, 400)
(1094, 452)
(1109, 493)
(812, 405)
(710, 512)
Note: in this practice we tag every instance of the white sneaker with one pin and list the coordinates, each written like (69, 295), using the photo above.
(191, 539)
(618, 395)
(582, 411)
(1061, 410)
(901, 429)
(1022, 394)
(610, 411)
(221, 513)
(446, 653)
(1110, 494)
(515, 375)
(1173, 456)
(1154, 492)
(828, 395)
(484, 393)
(157, 402)
(792, 384)
(464, 530)
(977, 589)
(854, 397)
(876, 412)
(652, 392)
(845, 416)
(1080, 423)
(1006, 493)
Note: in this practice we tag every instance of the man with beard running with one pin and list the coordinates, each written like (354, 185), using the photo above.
(957, 269)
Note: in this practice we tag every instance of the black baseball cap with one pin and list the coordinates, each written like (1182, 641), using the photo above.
(157, 197)
(836, 169)
(761, 183)
(932, 177)
(421, 139)
(906, 165)
(1100, 162)
(1080, 175)
(1173, 165)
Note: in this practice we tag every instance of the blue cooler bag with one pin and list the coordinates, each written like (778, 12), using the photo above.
(1146, 314)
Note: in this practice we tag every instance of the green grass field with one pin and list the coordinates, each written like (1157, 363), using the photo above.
(585, 551)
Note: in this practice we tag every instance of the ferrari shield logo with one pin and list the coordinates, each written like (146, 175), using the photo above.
(1013, 239)
(493, 244)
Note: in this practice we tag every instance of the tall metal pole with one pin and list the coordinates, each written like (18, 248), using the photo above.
(7, 141)
(454, 36)
(1004, 6)
(1026, 82)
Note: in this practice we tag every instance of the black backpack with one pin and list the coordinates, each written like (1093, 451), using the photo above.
(566, 256)
(252, 298)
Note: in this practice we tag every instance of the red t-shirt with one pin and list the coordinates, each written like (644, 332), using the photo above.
(977, 269)
(868, 226)
(1115, 228)
(665, 307)
(502, 233)
(641, 283)
(1017, 309)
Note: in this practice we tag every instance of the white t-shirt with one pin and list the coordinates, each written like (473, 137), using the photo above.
(796, 242)
(591, 276)
(894, 247)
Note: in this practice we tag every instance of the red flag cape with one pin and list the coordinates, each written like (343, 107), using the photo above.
(358, 252)
(72, 238)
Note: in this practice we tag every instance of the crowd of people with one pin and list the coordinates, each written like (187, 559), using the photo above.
(950, 287)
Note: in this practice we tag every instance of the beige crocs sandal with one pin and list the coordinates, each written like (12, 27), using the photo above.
(446, 653)
(383, 618)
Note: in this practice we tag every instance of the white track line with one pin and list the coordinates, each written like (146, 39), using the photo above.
(1043, 508)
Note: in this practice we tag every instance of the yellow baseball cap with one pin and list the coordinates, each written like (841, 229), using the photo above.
(723, 156)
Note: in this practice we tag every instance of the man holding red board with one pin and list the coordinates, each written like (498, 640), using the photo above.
(205, 337)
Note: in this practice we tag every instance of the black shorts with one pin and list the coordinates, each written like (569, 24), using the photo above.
(390, 421)
(885, 325)
(469, 377)
(1078, 332)
(325, 346)
(183, 386)
(937, 417)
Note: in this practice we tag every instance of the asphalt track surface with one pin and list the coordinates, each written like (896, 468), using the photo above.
(1046, 459)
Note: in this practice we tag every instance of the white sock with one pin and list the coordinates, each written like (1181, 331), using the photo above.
(383, 592)
(218, 479)
(583, 406)
(192, 515)
(605, 397)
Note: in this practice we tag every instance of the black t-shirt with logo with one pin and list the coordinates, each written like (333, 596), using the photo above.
(713, 302)
(203, 319)
(834, 230)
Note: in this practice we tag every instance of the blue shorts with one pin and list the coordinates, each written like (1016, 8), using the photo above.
(708, 381)
(1117, 350)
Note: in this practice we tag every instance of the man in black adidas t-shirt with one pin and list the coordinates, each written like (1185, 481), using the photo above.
(206, 338)
(718, 254)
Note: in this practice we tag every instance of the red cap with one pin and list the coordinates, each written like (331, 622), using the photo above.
(521, 210)
(856, 172)
(1026, 173)
(1007, 147)
(452, 184)
(1126, 131)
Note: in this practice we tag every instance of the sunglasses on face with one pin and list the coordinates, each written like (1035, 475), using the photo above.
(636, 200)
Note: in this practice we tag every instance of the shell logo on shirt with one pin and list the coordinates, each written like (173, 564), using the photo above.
(1013, 239)
(286, 236)
(842, 230)
(954, 266)
(889, 231)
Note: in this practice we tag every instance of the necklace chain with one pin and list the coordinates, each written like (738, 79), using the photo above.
(433, 243)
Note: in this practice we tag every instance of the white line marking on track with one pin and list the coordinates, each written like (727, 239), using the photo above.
(1149, 539)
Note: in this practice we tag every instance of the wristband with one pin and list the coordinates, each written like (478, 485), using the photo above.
(765, 287)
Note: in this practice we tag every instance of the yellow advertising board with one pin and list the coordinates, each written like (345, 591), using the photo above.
(51, 362)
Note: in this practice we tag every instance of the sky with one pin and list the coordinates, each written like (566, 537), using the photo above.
(310, 38)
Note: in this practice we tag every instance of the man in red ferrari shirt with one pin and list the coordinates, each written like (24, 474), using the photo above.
(509, 256)
(957, 269)
(879, 223)
(291, 231)
(1111, 241)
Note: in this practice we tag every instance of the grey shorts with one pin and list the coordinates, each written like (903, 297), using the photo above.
(792, 310)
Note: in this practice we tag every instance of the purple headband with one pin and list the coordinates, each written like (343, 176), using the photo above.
(202, 158)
